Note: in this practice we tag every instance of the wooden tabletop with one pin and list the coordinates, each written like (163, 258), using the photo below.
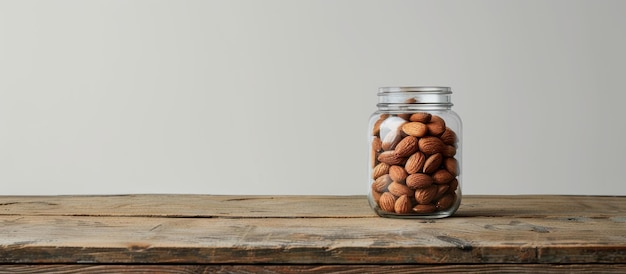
(307, 233)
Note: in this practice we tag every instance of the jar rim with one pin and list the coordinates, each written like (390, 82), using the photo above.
(422, 89)
(415, 96)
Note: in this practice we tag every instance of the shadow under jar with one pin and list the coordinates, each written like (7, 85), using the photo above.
(415, 153)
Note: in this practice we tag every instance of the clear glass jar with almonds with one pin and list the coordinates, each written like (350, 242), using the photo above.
(415, 153)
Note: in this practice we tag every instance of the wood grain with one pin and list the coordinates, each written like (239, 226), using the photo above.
(344, 269)
(35, 239)
(297, 206)
(307, 230)
(187, 206)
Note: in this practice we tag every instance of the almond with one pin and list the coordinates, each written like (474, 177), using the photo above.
(436, 126)
(441, 190)
(446, 201)
(391, 140)
(422, 117)
(448, 137)
(406, 146)
(419, 180)
(415, 129)
(426, 195)
(429, 208)
(398, 189)
(398, 174)
(430, 145)
(377, 144)
(376, 147)
(374, 157)
(387, 202)
(381, 183)
(415, 163)
(454, 184)
(433, 162)
(410, 101)
(449, 151)
(442, 176)
(376, 195)
(380, 170)
(378, 123)
(390, 158)
(405, 116)
(403, 205)
(452, 166)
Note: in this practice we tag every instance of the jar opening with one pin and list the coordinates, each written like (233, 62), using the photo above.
(416, 95)
(436, 89)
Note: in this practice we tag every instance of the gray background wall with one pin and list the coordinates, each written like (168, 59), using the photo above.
(273, 97)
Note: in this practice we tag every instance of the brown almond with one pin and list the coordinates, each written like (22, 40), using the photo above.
(454, 184)
(446, 201)
(406, 146)
(429, 208)
(448, 137)
(436, 126)
(403, 205)
(391, 140)
(433, 162)
(374, 158)
(405, 116)
(426, 195)
(376, 147)
(415, 163)
(422, 117)
(381, 183)
(452, 166)
(398, 189)
(377, 144)
(398, 174)
(449, 151)
(387, 202)
(441, 190)
(410, 101)
(415, 129)
(430, 145)
(419, 180)
(442, 176)
(376, 126)
(390, 158)
(375, 195)
(380, 170)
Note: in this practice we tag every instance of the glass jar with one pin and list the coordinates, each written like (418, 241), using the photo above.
(415, 153)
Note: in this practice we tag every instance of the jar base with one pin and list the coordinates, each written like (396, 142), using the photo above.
(432, 215)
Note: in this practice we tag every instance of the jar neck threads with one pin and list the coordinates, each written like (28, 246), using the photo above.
(407, 98)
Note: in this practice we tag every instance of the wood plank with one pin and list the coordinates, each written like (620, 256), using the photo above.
(345, 269)
(301, 206)
(207, 229)
(86, 239)
(187, 206)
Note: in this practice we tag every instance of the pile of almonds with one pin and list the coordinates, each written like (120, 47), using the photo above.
(414, 170)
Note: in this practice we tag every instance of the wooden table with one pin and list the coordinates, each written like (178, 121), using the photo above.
(320, 234)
